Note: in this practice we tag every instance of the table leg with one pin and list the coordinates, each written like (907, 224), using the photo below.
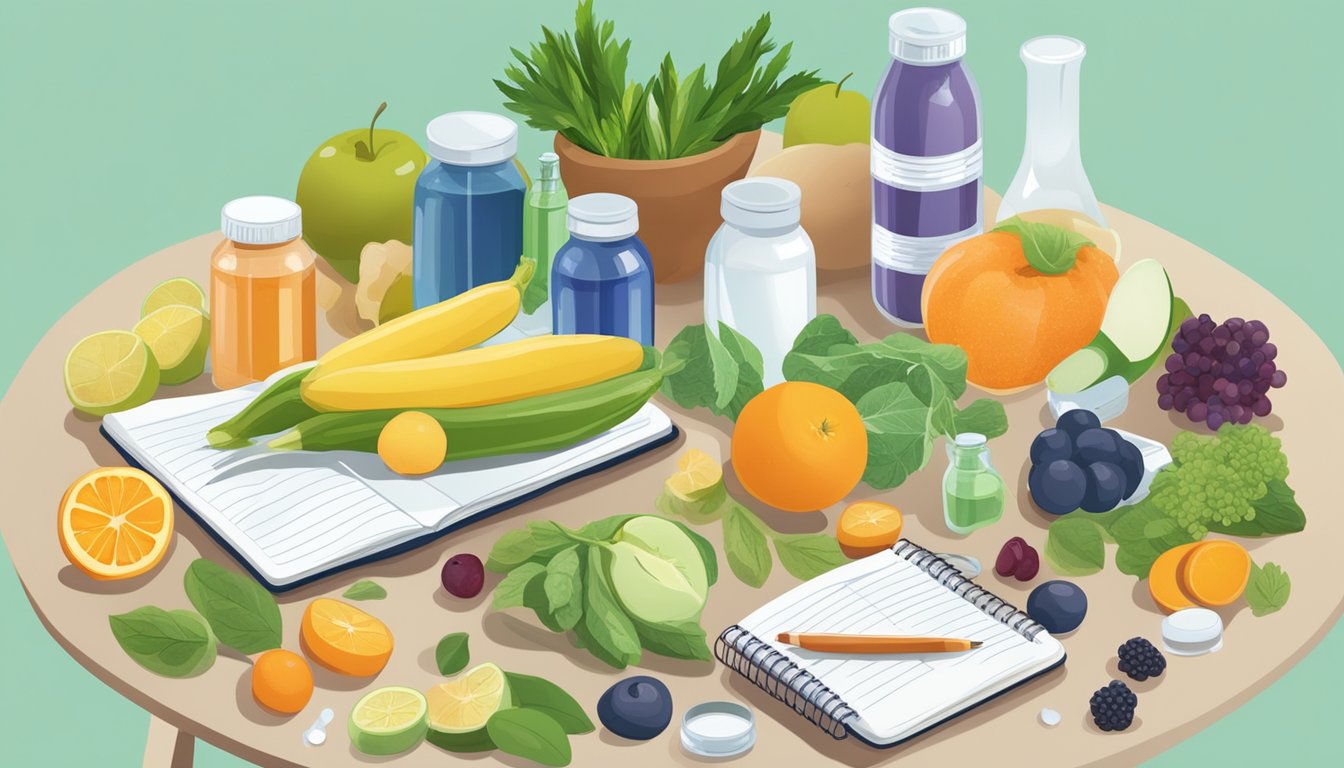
(167, 747)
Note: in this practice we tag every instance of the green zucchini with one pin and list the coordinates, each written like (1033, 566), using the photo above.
(278, 407)
(542, 423)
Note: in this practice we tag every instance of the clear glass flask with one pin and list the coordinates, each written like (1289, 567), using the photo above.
(972, 490)
(1051, 176)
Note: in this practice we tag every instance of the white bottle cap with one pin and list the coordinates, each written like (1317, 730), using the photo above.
(762, 203)
(261, 220)
(602, 217)
(1053, 49)
(927, 36)
(472, 138)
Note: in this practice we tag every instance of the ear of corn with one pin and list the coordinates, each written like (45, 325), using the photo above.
(455, 324)
(484, 376)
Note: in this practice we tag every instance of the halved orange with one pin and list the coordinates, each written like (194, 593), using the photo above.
(1164, 578)
(345, 639)
(115, 523)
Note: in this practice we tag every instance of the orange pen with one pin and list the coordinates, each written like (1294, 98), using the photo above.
(830, 643)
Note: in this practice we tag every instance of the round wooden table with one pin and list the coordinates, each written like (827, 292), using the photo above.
(51, 445)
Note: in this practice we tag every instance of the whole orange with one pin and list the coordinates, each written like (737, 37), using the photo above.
(799, 446)
(282, 681)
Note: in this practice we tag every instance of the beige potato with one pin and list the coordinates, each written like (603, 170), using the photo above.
(837, 198)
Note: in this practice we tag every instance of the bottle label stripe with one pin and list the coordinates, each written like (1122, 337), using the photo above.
(926, 174)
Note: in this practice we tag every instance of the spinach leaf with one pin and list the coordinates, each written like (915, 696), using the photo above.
(509, 593)
(538, 541)
(1074, 545)
(529, 734)
(677, 640)
(750, 370)
(364, 589)
(605, 528)
(534, 597)
(744, 544)
(170, 643)
(1144, 532)
(809, 555)
(1276, 513)
(985, 416)
(241, 613)
(564, 587)
(451, 654)
(604, 628)
(1049, 249)
(543, 696)
(1268, 589)
(717, 371)
(899, 443)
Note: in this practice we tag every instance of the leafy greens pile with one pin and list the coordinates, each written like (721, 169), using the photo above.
(577, 85)
(1233, 482)
(906, 389)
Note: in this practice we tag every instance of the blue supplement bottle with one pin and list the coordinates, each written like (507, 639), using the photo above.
(468, 206)
(602, 278)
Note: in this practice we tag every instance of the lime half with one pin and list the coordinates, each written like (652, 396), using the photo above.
(109, 372)
(388, 720)
(462, 706)
(178, 290)
(179, 337)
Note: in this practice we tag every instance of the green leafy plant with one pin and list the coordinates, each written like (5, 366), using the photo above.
(906, 389)
(364, 589)
(576, 84)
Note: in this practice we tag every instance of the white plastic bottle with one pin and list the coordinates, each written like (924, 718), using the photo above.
(761, 269)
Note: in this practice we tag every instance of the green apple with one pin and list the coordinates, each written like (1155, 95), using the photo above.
(828, 115)
(358, 187)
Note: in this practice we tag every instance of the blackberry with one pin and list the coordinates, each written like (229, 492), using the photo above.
(1140, 660)
(1113, 706)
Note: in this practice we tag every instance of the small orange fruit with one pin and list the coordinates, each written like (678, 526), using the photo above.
(282, 681)
(115, 523)
(868, 526)
(345, 639)
(799, 446)
(412, 443)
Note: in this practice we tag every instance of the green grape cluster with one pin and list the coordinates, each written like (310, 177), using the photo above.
(1215, 479)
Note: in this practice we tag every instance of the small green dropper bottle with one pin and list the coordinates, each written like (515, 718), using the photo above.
(544, 231)
(972, 490)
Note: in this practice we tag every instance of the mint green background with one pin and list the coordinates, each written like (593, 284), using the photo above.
(125, 126)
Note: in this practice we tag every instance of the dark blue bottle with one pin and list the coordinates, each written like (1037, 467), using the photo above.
(602, 278)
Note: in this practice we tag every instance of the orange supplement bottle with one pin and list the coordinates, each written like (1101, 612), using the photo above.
(263, 302)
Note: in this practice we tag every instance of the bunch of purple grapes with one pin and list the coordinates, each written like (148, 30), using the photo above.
(1220, 373)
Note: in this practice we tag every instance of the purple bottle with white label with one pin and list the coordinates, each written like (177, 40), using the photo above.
(926, 159)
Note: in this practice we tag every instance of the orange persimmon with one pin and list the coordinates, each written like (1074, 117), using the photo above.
(1215, 572)
(1164, 579)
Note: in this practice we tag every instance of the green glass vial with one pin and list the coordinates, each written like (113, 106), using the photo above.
(544, 231)
(972, 490)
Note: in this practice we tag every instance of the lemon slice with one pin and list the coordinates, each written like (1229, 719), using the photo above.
(109, 372)
(179, 337)
(697, 475)
(388, 720)
(463, 705)
(178, 290)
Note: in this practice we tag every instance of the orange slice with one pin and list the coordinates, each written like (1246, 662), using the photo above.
(115, 523)
(345, 639)
(1215, 572)
(868, 526)
(697, 476)
(1164, 579)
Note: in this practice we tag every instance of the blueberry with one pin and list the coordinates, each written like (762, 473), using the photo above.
(1059, 606)
(638, 707)
(1057, 487)
(1105, 486)
(1131, 462)
(1077, 420)
(1050, 445)
(1097, 445)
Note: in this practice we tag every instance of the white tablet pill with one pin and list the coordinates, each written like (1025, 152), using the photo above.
(1050, 717)
(1192, 632)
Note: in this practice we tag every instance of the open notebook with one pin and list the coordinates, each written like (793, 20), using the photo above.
(889, 698)
(294, 517)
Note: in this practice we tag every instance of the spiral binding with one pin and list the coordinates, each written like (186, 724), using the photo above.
(773, 672)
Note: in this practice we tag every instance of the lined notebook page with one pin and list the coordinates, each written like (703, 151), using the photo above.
(295, 514)
(898, 694)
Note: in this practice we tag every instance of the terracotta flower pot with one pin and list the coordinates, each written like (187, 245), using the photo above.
(678, 199)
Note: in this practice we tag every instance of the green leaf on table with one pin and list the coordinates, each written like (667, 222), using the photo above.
(1268, 589)
(169, 643)
(808, 555)
(899, 443)
(750, 370)
(1276, 513)
(674, 639)
(451, 654)
(364, 589)
(537, 542)
(564, 587)
(1049, 249)
(604, 628)
(606, 528)
(745, 546)
(985, 416)
(241, 612)
(543, 696)
(1144, 532)
(534, 597)
(510, 591)
(1075, 545)
(720, 371)
(529, 734)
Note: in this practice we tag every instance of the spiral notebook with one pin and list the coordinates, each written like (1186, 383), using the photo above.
(886, 699)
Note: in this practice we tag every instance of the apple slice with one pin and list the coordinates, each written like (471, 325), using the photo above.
(1141, 315)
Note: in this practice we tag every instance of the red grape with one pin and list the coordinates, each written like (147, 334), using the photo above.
(1220, 373)
(463, 575)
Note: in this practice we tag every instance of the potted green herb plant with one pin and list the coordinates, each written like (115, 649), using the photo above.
(671, 143)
